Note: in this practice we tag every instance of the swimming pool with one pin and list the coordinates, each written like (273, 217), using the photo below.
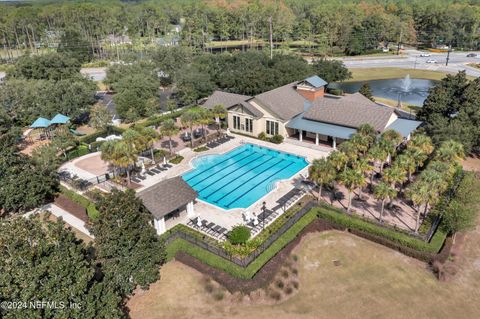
(239, 178)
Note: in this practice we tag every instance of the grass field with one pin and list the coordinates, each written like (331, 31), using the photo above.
(389, 102)
(364, 74)
(371, 282)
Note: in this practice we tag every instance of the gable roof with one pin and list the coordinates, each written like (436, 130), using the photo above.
(315, 81)
(351, 110)
(404, 126)
(252, 109)
(224, 98)
(167, 196)
(283, 101)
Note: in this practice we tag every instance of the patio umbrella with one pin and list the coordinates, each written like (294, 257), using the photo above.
(164, 161)
(143, 168)
(199, 222)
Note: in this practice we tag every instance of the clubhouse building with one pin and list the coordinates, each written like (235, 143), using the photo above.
(302, 110)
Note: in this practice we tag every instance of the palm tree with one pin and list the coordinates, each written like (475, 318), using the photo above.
(148, 137)
(365, 168)
(190, 118)
(419, 194)
(168, 128)
(394, 175)
(350, 150)
(219, 112)
(108, 153)
(417, 155)
(125, 155)
(322, 173)
(382, 192)
(361, 143)
(351, 179)
(338, 159)
(450, 151)
(407, 163)
(204, 118)
(369, 131)
(389, 141)
(422, 143)
(377, 154)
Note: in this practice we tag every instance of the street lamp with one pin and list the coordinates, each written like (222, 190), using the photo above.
(264, 208)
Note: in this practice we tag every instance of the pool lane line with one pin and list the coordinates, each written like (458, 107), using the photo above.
(230, 157)
(248, 180)
(228, 205)
(217, 180)
(236, 162)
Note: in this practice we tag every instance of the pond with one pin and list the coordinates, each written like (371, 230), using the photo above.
(410, 91)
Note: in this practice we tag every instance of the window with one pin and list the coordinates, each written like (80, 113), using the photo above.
(272, 128)
(236, 122)
(249, 125)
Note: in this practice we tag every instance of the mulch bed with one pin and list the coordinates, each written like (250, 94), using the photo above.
(265, 275)
(71, 207)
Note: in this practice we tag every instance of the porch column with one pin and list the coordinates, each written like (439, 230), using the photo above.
(190, 210)
(316, 138)
(159, 225)
(334, 143)
(300, 135)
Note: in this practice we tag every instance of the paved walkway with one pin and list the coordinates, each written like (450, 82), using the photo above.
(66, 216)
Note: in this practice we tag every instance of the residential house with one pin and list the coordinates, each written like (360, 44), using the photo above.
(302, 110)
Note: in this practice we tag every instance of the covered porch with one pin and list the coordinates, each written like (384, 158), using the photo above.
(170, 202)
(318, 133)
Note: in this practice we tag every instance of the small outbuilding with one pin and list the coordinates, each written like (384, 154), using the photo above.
(170, 197)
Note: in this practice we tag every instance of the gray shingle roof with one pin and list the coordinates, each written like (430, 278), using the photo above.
(351, 110)
(252, 109)
(224, 98)
(166, 196)
(284, 101)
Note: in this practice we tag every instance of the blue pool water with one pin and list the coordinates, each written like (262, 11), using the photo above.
(239, 178)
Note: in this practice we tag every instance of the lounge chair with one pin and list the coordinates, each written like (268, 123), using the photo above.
(156, 171)
(150, 173)
(160, 168)
(141, 177)
(136, 180)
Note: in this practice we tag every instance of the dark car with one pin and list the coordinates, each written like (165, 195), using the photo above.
(471, 55)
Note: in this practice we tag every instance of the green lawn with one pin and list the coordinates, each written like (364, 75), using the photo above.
(365, 74)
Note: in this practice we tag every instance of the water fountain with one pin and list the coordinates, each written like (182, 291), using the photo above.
(406, 83)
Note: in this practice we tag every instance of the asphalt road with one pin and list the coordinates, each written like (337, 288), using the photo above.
(412, 60)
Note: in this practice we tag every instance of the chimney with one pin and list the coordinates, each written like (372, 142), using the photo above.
(309, 92)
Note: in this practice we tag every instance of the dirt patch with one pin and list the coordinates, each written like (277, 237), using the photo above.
(472, 163)
(71, 207)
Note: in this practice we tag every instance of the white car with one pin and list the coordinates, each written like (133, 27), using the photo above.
(431, 61)
(425, 55)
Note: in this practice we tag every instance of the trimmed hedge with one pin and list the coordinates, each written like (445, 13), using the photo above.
(156, 120)
(231, 268)
(356, 224)
(92, 211)
(177, 159)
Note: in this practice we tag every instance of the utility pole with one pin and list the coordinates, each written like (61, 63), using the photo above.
(448, 54)
(399, 41)
(271, 37)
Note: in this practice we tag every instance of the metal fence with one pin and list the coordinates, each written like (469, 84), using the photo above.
(245, 261)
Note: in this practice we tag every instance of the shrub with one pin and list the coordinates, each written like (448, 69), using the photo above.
(279, 284)
(177, 159)
(277, 139)
(92, 211)
(239, 235)
(332, 91)
(201, 149)
(382, 235)
(262, 136)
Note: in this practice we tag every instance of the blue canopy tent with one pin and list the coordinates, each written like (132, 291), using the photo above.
(40, 123)
(59, 119)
